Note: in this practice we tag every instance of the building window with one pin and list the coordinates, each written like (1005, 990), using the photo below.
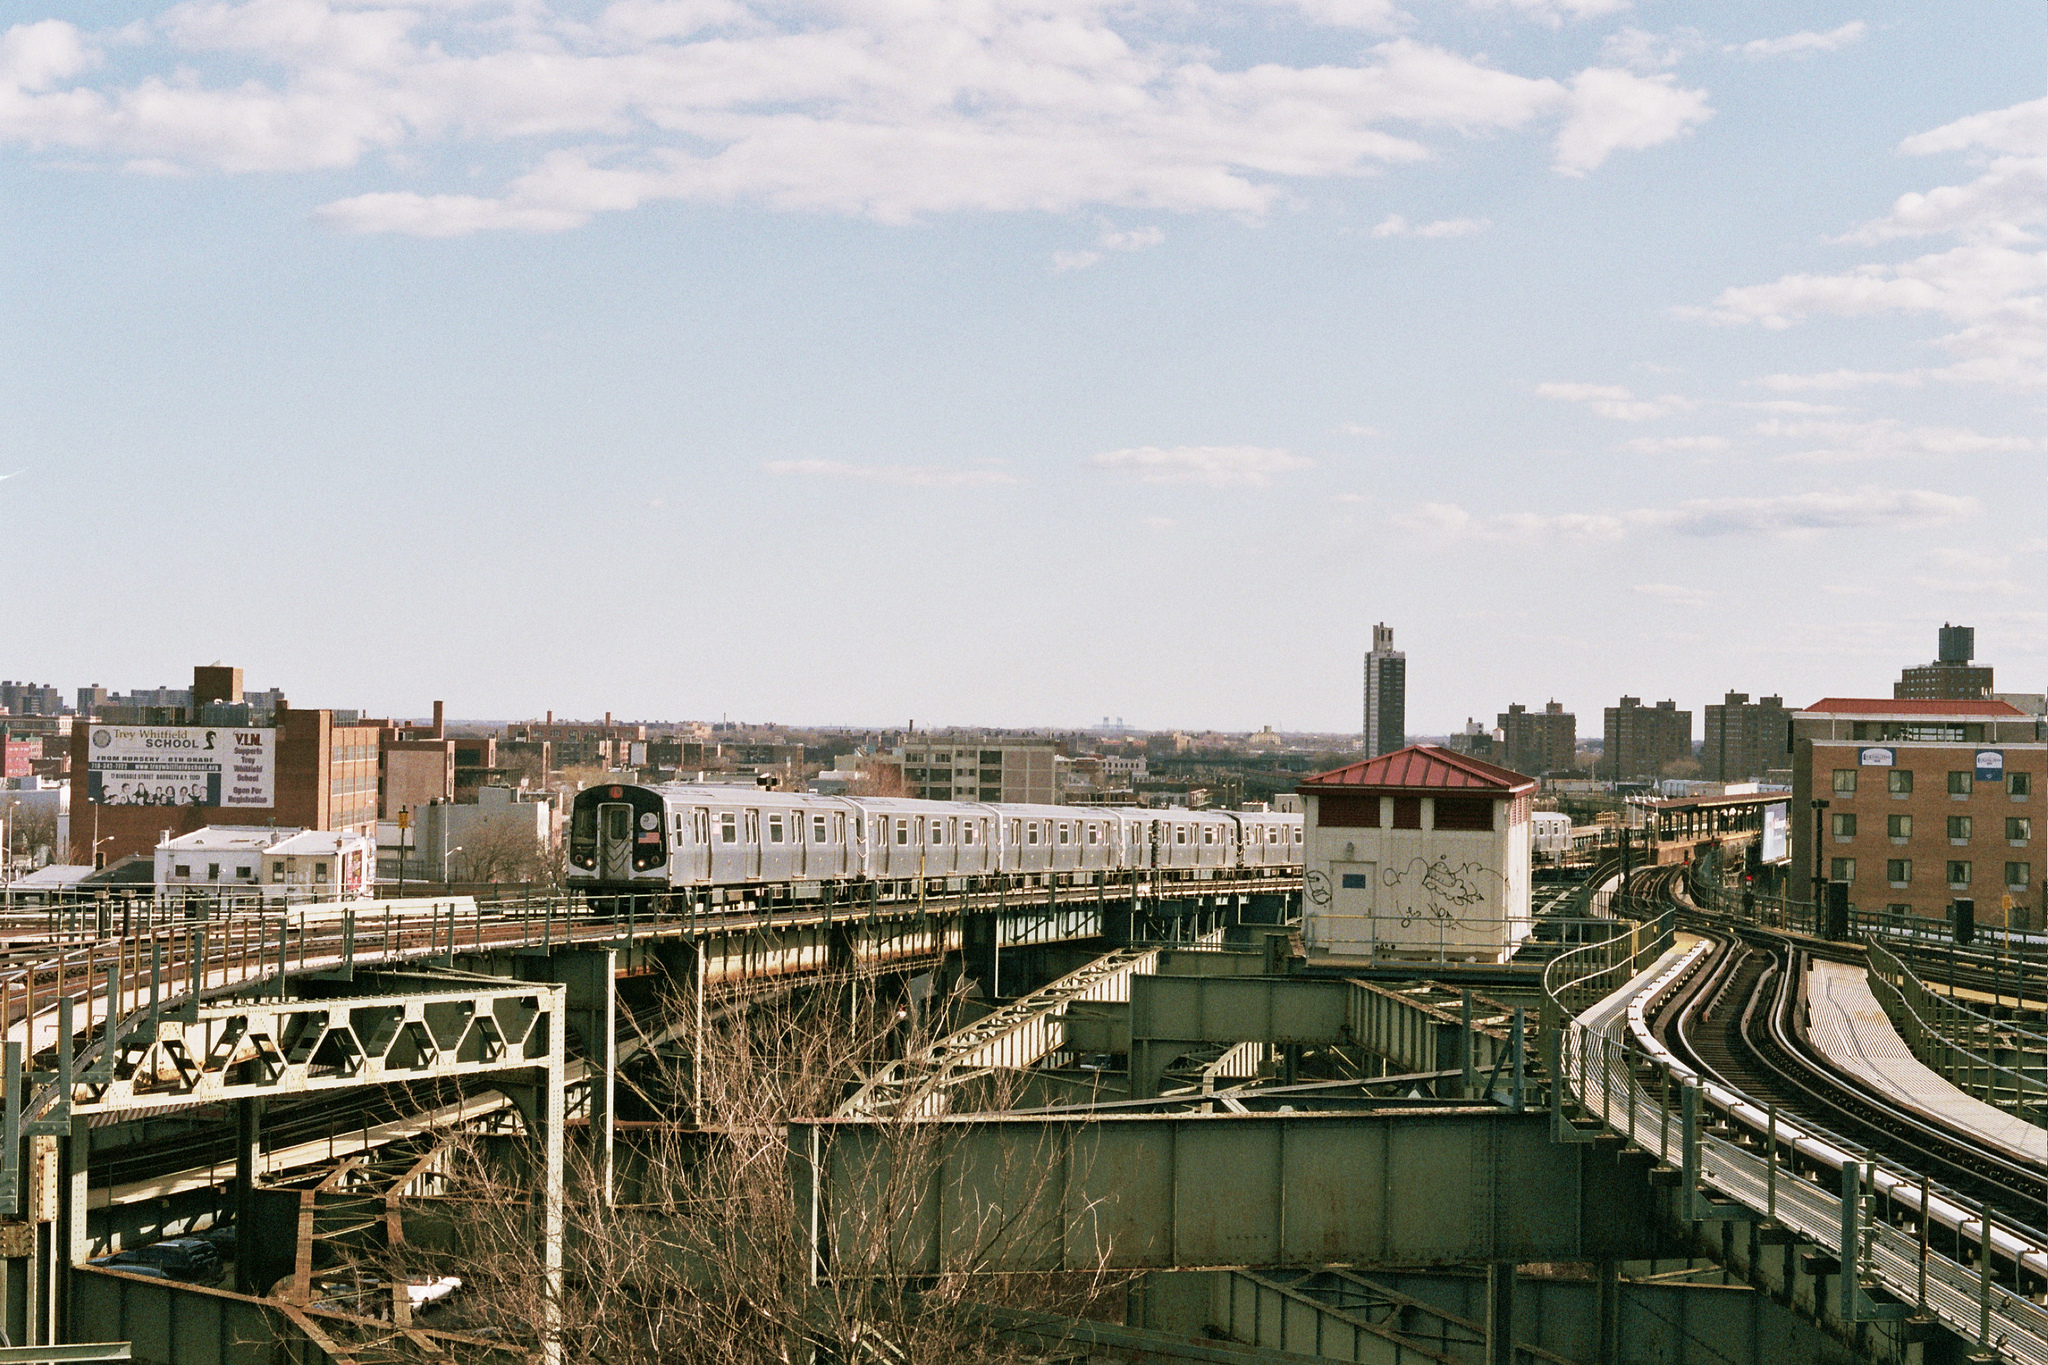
(1845, 826)
(319, 872)
(1845, 781)
(1958, 874)
(1899, 871)
(1959, 828)
(2016, 875)
(181, 870)
(1842, 869)
(729, 828)
(1899, 781)
(213, 872)
(244, 874)
(1464, 812)
(2018, 829)
(2020, 784)
(1898, 826)
(1348, 812)
(1960, 783)
(1407, 812)
(277, 870)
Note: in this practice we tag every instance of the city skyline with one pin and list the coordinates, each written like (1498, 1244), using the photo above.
(844, 365)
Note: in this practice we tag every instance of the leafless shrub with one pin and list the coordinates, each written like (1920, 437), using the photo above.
(699, 1255)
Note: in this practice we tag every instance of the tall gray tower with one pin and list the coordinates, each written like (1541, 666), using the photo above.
(1386, 694)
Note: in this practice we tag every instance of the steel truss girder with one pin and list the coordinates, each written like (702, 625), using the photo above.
(251, 1049)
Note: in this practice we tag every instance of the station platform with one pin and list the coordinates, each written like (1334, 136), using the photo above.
(1848, 1027)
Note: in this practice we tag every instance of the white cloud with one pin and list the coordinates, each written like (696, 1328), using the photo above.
(896, 475)
(1394, 225)
(1640, 50)
(1110, 239)
(1215, 466)
(1798, 44)
(1674, 445)
(1555, 13)
(888, 111)
(1989, 285)
(1615, 402)
(1790, 514)
(1675, 595)
(1615, 110)
(1888, 438)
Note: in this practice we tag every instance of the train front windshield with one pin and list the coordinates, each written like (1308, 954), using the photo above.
(616, 832)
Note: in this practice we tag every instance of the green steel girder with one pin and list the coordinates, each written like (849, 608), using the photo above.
(1186, 1191)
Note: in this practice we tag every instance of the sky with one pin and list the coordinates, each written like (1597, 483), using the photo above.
(1020, 362)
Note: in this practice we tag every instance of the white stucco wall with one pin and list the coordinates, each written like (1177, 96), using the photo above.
(1461, 894)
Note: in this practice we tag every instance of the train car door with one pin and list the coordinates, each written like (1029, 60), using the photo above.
(615, 842)
(698, 864)
(1349, 928)
(751, 849)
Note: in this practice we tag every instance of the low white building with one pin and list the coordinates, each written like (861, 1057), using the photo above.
(219, 859)
(270, 861)
(1420, 853)
(497, 838)
(320, 864)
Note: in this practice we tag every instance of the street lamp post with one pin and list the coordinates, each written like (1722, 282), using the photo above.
(446, 854)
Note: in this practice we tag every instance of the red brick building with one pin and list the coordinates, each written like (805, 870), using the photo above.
(219, 762)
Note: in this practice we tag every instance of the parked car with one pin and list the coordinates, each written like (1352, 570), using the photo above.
(193, 1260)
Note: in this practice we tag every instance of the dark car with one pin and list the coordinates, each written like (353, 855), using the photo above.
(191, 1259)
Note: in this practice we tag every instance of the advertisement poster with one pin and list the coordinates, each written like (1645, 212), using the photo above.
(1875, 757)
(181, 765)
(1991, 765)
(1776, 827)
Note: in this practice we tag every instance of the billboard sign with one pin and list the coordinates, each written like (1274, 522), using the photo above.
(1991, 765)
(1777, 823)
(181, 765)
(1874, 756)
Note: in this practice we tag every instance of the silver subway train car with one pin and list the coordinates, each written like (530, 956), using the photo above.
(691, 837)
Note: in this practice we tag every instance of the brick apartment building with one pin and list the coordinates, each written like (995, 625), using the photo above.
(1746, 741)
(1925, 801)
(1952, 676)
(1538, 742)
(980, 770)
(219, 761)
(581, 744)
(1640, 740)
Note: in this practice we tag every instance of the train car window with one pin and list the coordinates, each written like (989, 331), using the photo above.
(775, 828)
(1180, 834)
(938, 831)
(1208, 834)
(1063, 831)
(966, 831)
(902, 831)
(1297, 834)
(700, 825)
(729, 828)
(1031, 831)
(817, 829)
(1272, 834)
(1094, 834)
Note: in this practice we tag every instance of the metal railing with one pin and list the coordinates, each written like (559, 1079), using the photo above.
(1961, 1044)
(1609, 1075)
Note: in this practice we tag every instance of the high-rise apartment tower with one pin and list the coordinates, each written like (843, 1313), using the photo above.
(1386, 694)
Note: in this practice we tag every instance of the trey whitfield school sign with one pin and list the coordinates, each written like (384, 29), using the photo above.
(181, 765)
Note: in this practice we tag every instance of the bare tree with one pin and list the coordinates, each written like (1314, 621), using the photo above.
(699, 1255)
(30, 828)
(879, 779)
(504, 849)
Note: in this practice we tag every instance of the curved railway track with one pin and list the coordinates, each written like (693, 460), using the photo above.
(1737, 1022)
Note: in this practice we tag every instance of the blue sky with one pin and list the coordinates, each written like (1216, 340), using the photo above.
(1020, 363)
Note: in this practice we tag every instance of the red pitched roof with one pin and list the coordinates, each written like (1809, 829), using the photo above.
(1423, 767)
(1892, 706)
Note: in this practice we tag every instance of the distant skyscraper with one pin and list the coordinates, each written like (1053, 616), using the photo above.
(1386, 694)
(1951, 677)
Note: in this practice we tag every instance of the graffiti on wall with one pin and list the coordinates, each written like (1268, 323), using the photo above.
(1440, 891)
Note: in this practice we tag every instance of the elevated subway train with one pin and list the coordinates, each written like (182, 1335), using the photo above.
(687, 836)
